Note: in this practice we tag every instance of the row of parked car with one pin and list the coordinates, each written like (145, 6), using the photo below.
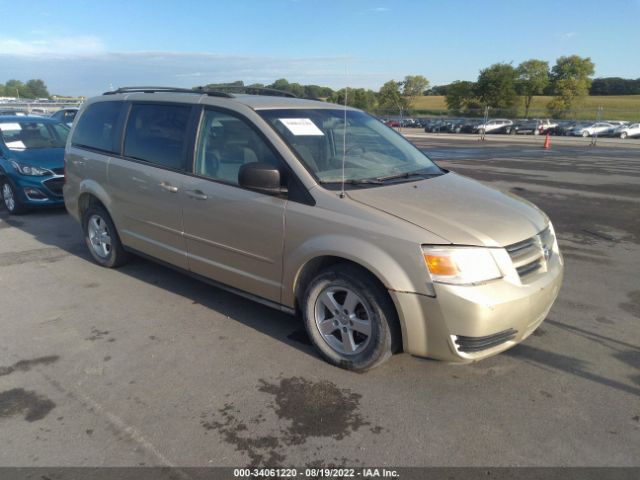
(611, 128)
(64, 115)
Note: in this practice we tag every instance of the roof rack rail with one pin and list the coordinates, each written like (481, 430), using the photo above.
(197, 90)
(249, 90)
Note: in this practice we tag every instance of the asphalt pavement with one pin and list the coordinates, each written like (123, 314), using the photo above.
(146, 366)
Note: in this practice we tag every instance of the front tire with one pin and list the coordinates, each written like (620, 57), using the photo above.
(585, 134)
(623, 135)
(10, 199)
(102, 238)
(350, 318)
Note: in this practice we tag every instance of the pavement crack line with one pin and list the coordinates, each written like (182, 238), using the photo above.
(118, 425)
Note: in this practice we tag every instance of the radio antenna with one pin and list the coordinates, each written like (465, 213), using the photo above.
(344, 136)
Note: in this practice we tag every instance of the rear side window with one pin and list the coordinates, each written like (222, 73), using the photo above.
(158, 134)
(97, 127)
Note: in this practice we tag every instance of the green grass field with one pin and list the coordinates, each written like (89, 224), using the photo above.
(615, 107)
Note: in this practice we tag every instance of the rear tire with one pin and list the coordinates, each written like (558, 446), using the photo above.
(623, 135)
(102, 238)
(585, 134)
(350, 318)
(10, 199)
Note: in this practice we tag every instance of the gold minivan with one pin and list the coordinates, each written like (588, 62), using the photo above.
(315, 209)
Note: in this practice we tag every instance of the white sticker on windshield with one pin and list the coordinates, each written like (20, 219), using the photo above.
(16, 144)
(10, 127)
(301, 126)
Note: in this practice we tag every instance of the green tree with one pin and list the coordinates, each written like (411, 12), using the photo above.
(437, 90)
(414, 86)
(296, 89)
(14, 88)
(532, 77)
(2, 91)
(312, 91)
(280, 84)
(570, 78)
(356, 97)
(496, 86)
(36, 88)
(460, 94)
(390, 97)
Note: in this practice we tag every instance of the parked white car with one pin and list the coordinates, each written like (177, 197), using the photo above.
(598, 128)
(497, 125)
(546, 125)
(628, 131)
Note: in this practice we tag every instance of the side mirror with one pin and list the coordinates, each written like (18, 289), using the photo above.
(261, 177)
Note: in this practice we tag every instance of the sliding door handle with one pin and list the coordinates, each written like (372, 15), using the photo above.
(197, 194)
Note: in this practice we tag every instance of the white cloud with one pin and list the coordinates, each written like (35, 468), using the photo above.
(56, 46)
(91, 71)
(378, 9)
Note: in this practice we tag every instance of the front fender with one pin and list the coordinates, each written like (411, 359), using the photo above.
(379, 262)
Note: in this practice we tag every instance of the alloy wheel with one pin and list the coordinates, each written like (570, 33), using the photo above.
(8, 197)
(343, 320)
(99, 236)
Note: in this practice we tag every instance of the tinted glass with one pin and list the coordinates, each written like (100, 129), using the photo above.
(23, 135)
(225, 143)
(372, 150)
(157, 134)
(96, 128)
(69, 116)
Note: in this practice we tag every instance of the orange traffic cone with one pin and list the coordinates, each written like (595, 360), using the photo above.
(546, 142)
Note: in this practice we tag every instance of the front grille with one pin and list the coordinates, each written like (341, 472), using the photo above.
(528, 256)
(54, 185)
(477, 344)
(525, 270)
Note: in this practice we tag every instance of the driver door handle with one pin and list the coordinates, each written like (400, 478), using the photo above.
(168, 187)
(197, 194)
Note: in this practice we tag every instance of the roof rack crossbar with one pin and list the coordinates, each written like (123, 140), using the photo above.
(198, 90)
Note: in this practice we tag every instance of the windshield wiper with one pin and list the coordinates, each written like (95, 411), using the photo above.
(357, 181)
(407, 175)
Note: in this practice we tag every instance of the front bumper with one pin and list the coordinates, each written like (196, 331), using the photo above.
(38, 190)
(467, 323)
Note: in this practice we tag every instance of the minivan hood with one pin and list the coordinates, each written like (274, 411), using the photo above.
(458, 209)
(40, 157)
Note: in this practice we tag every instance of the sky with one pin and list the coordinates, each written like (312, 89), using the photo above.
(87, 47)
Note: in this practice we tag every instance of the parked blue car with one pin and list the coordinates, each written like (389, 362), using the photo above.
(31, 162)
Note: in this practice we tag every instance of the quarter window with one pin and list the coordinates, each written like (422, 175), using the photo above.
(225, 143)
(96, 128)
(158, 134)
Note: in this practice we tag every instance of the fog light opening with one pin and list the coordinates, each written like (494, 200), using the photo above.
(34, 194)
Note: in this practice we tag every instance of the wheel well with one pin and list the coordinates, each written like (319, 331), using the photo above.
(86, 200)
(316, 265)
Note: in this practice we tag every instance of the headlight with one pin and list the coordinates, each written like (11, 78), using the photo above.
(30, 170)
(460, 265)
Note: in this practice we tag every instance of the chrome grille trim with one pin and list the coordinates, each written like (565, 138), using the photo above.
(528, 255)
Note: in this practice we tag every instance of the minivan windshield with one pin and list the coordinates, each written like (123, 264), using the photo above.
(24, 135)
(373, 153)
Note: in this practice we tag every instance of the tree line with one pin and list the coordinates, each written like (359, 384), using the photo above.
(502, 86)
(499, 86)
(615, 86)
(34, 88)
(393, 95)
